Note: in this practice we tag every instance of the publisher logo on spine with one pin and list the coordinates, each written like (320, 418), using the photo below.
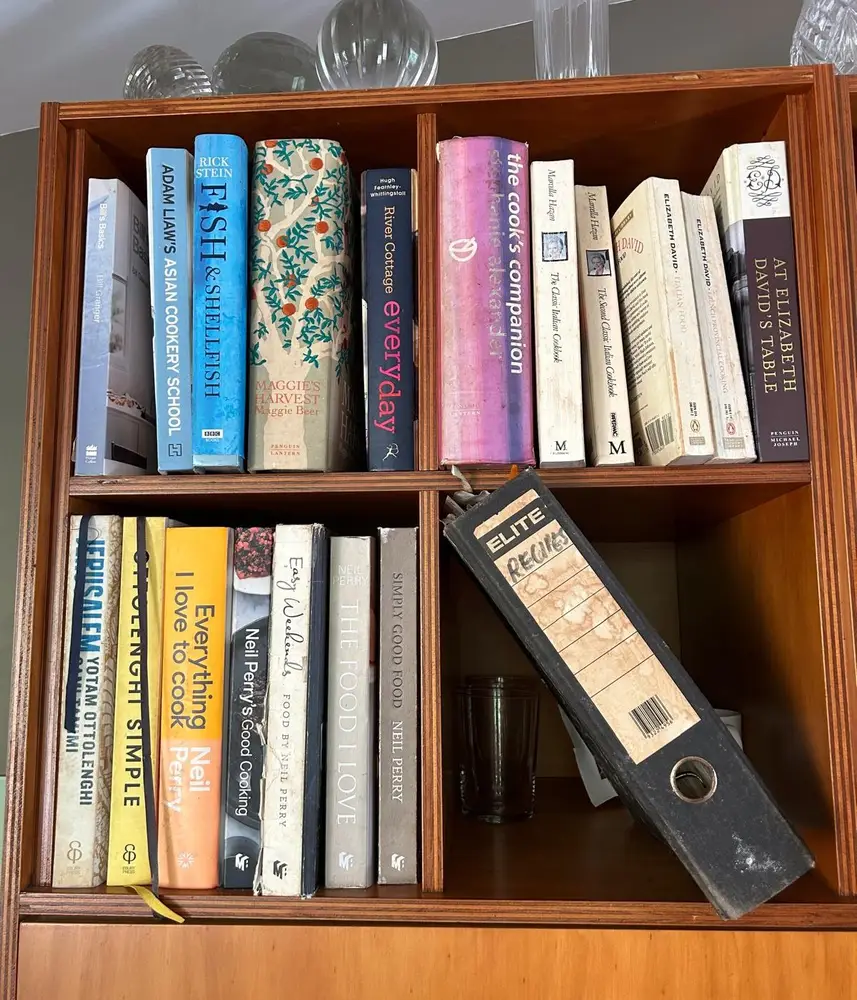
(346, 860)
(764, 181)
(212, 433)
(463, 250)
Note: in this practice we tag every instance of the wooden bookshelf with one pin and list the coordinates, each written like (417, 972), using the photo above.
(749, 572)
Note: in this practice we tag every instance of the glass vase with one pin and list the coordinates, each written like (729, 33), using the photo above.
(572, 38)
(165, 71)
(265, 62)
(826, 31)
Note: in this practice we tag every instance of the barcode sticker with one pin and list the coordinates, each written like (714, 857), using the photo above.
(651, 716)
(660, 433)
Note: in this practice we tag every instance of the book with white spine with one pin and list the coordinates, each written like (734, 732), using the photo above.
(559, 390)
(294, 715)
(667, 391)
(727, 392)
(607, 418)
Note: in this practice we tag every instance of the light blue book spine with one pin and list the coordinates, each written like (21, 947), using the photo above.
(220, 292)
(170, 196)
(91, 439)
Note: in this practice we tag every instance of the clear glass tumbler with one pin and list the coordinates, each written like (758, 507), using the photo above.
(498, 724)
(572, 38)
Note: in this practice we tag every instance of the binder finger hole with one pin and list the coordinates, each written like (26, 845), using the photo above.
(693, 779)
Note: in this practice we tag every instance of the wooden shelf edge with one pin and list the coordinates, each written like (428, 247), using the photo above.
(434, 909)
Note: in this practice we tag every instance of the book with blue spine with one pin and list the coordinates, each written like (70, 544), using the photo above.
(388, 209)
(219, 302)
(115, 416)
(169, 176)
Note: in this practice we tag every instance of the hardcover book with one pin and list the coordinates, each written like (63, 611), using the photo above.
(169, 174)
(398, 721)
(651, 730)
(89, 676)
(241, 833)
(352, 741)
(136, 718)
(389, 218)
(116, 405)
(219, 303)
(303, 369)
(750, 189)
(484, 354)
(556, 331)
(294, 719)
(730, 412)
(605, 388)
(667, 391)
(197, 593)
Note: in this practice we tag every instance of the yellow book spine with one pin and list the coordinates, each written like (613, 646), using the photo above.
(196, 626)
(128, 856)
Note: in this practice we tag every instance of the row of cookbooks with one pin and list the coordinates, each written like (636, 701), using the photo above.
(224, 722)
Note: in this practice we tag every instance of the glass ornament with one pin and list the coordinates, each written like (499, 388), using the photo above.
(265, 62)
(165, 71)
(826, 32)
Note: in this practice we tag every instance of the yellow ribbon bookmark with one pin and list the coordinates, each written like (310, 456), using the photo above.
(155, 904)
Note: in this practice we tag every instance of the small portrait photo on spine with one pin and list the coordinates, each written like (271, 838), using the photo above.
(598, 263)
(554, 246)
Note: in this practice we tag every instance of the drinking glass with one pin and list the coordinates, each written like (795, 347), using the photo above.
(572, 38)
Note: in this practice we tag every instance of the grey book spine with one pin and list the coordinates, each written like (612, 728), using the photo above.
(351, 732)
(398, 778)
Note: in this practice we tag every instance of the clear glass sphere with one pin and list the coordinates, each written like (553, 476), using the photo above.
(826, 32)
(376, 43)
(265, 62)
(165, 71)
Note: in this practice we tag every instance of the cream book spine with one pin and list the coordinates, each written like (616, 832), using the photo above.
(607, 418)
(86, 724)
(667, 391)
(559, 389)
(727, 392)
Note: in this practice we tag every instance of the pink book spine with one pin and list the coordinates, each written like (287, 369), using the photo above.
(485, 364)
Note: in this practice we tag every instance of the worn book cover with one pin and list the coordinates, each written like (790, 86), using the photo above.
(667, 391)
(485, 335)
(252, 559)
(389, 222)
(607, 418)
(219, 303)
(294, 718)
(653, 733)
(169, 175)
(352, 740)
(398, 719)
(197, 594)
(750, 189)
(304, 356)
(136, 718)
(86, 728)
(556, 330)
(727, 393)
(116, 397)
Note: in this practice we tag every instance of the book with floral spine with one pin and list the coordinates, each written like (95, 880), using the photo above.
(301, 394)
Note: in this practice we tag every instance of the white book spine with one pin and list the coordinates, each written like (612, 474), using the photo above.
(730, 412)
(281, 857)
(352, 742)
(559, 393)
(605, 387)
(86, 724)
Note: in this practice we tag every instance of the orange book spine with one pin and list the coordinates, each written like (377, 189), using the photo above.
(196, 617)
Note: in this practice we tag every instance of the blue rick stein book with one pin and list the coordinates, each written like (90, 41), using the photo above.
(219, 302)
(115, 410)
(169, 174)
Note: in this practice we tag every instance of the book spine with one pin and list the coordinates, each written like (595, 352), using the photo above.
(248, 682)
(128, 861)
(389, 212)
(89, 674)
(398, 723)
(750, 189)
(351, 737)
(692, 410)
(605, 388)
(485, 379)
(730, 414)
(219, 302)
(197, 588)
(559, 389)
(170, 197)
(95, 328)
(293, 658)
(302, 340)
